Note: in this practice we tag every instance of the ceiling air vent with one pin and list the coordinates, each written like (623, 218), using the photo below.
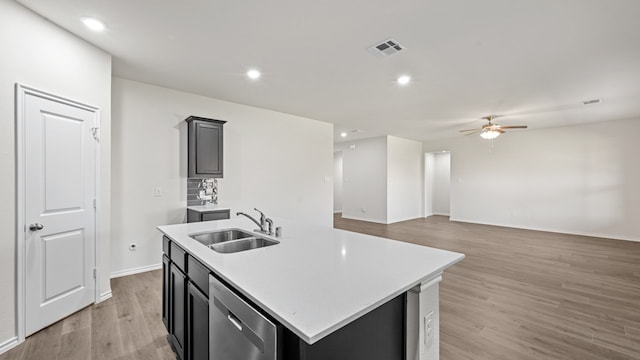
(589, 102)
(386, 48)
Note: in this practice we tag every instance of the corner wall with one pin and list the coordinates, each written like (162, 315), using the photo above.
(364, 174)
(576, 179)
(405, 179)
(383, 179)
(39, 54)
(279, 163)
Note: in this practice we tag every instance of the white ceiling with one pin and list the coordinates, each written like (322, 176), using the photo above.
(534, 60)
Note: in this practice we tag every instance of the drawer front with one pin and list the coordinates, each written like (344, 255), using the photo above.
(165, 245)
(198, 274)
(178, 256)
(215, 215)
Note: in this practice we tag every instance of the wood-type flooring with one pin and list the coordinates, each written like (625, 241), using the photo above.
(525, 295)
(518, 295)
(126, 327)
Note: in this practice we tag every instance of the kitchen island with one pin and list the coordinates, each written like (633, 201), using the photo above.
(318, 280)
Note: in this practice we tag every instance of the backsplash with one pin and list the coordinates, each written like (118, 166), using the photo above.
(201, 191)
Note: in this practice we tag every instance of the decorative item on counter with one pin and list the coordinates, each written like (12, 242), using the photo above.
(208, 192)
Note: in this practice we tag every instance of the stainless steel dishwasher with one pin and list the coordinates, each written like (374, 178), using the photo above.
(237, 331)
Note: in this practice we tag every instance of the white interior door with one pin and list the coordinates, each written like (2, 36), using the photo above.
(59, 213)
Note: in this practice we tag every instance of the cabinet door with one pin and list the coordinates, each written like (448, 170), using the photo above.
(177, 309)
(165, 290)
(197, 324)
(205, 148)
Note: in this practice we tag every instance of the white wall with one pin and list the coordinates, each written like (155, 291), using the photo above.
(39, 54)
(577, 179)
(364, 175)
(405, 179)
(337, 181)
(279, 163)
(441, 185)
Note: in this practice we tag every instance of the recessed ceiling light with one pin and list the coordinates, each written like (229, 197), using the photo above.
(344, 134)
(93, 24)
(253, 74)
(404, 79)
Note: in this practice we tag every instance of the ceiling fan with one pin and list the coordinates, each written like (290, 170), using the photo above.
(490, 130)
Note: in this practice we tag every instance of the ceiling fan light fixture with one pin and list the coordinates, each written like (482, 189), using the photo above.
(490, 134)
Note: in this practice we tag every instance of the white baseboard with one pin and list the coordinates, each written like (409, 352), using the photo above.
(105, 296)
(9, 344)
(133, 271)
(559, 231)
(364, 219)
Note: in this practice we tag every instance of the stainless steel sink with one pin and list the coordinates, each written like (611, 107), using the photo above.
(221, 236)
(242, 245)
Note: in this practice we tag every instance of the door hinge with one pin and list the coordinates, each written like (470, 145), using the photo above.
(95, 206)
(94, 273)
(94, 132)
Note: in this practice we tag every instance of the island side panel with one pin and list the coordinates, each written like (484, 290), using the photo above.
(423, 321)
(378, 335)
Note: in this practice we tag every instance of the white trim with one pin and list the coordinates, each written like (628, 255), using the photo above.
(9, 344)
(96, 262)
(440, 214)
(364, 219)
(106, 296)
(137, 270)
(21, 91)
(567, 232)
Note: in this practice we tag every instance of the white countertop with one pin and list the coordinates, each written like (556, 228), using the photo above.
(317, 279)
(205, 208)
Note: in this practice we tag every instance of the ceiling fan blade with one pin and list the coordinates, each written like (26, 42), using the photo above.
(514, 127)
(473, 132)
(470, 130)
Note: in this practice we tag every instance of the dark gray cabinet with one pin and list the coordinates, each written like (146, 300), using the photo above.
(197, 216)
(165, 291)
(177, 298)
(205, 148)
(197, 323)
(185, 302)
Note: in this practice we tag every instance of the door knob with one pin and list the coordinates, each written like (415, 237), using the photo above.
(36, 226)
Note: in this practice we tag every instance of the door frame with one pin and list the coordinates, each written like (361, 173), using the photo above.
(21, 92)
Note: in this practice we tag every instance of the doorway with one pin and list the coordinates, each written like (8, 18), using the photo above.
(437, 167)
(57, 152)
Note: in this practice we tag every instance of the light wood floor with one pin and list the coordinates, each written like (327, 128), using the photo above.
(518, 295)
(522, 295)
(126, 327)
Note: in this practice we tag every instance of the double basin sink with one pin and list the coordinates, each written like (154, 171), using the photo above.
(232, 240)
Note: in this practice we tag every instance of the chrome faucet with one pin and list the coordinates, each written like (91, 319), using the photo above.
(262, 224)
(263, 219)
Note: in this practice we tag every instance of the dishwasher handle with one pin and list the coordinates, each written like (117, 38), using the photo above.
(235, 321)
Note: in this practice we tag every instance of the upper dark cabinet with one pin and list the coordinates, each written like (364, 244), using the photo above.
(205, 147)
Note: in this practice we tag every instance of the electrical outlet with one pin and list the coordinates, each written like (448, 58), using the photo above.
(428, 328)
(157, 191)
(363, 210)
